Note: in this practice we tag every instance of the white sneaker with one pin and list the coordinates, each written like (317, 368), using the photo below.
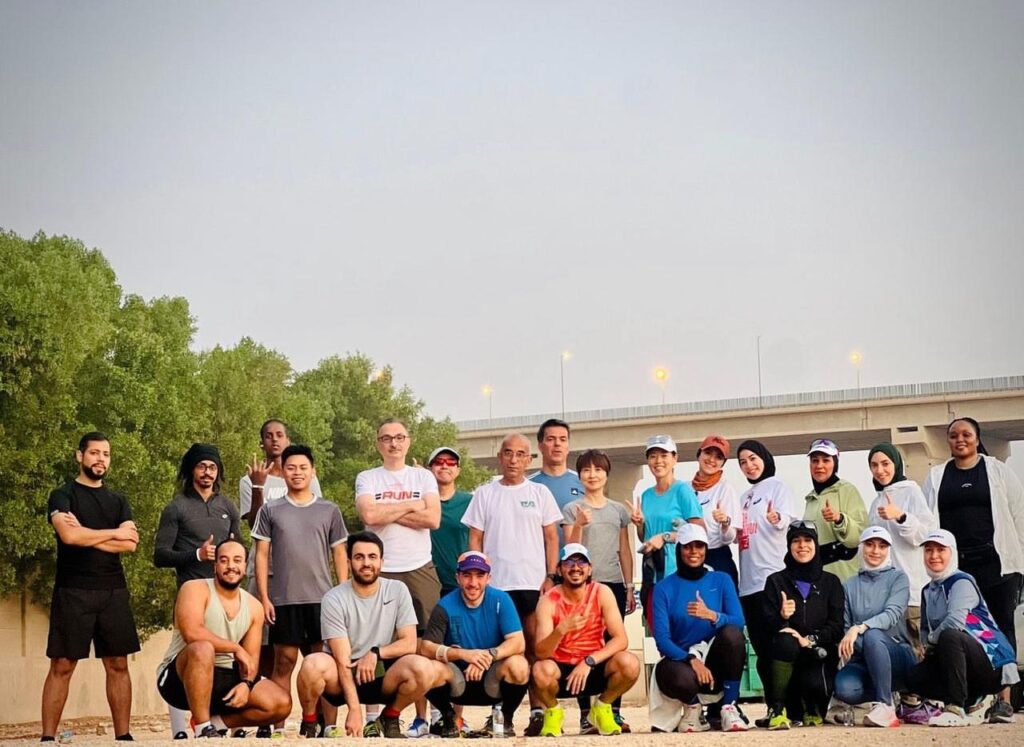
(950, 716)
(732, 720)
(883, 715)
(418, 728)
(976, 714)
(693, 720)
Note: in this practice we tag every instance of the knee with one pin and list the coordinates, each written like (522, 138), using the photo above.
(422, 671)
(545, 673)
(116, 665)
(626, 664)
(874, 638)
(313, 666)
(849, 686)
(200, 652)
(517, 670)
(62, 668)
(731, 636)
(950, 638)
(784, 647)
(280, 703)
(285, 657)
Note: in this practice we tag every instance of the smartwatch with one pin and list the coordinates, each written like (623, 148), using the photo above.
(589, 661)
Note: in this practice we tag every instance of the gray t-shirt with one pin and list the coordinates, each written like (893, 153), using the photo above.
(302, 538)
(601, 537)
(366, 621)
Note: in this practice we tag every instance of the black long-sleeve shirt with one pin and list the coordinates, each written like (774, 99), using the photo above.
(185, 524)
(821, 614)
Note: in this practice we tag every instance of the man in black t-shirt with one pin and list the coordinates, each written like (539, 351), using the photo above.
(90, 596)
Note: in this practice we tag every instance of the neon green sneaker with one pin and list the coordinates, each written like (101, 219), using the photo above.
(778, 720)
(553, 718)
(602, 717)
(812, 719)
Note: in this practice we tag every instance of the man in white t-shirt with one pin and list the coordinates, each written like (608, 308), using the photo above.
(514, 521)
(400, 503)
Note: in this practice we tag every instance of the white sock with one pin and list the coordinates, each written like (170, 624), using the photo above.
(179, 719)
(198, 728)
(218, 722)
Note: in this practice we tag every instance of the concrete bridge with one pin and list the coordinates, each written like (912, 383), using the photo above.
(912, 416)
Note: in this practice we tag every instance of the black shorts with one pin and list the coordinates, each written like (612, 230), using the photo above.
(525, 601)
(425, 590)
(79, 617)
(370, 693)
(172, 689)
(297, 625)
(597, 682)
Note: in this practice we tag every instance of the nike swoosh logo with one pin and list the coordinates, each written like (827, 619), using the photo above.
(388, 602)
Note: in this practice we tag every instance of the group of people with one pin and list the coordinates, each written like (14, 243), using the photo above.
(520, 589)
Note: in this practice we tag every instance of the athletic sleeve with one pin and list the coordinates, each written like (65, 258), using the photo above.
(236, 520)
(126, 510)
(895, 604)
(406, 612)
(663, 627)
(59, 502)
(245, 495)
(550, 513)
(333, 620)
(623, 515)
(475, 516)
(832, 632)
(686, 502)
(429, 481)
(732, 612)
(364, 485)
(337, 533)
(963, 598)
(569, 513)
(855, 515)
(508, 617)
(164, 554)
(263, 527)
(437, 625)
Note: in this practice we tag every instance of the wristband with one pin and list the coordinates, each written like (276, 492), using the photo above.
(257, 487)
(250, 683)
(198, 556)
(376, 652)
(441, 654)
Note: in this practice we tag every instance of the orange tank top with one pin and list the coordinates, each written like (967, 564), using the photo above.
(577, 645)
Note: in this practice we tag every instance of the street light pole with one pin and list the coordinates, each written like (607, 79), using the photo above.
(760, 402)
(856, 359)
(488, 392)
(661, 376)
(566, 355)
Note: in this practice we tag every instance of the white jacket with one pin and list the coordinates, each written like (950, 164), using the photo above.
(1007, 509)
(908, 536)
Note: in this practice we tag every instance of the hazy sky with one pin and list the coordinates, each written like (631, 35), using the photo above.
(463, 190)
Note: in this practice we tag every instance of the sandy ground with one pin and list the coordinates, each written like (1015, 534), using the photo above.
(155, 731)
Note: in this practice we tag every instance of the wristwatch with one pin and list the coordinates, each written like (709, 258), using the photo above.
(667, 536)
(493, 652)
(553, 576)
(376, 651)
(589, 661)
(812, 640)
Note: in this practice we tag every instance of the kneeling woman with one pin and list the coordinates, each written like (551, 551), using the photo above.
(966, 655)
(875, 645)
(698, 627)
(805, 604)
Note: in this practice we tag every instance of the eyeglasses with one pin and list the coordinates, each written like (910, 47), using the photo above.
(206, 468)
(399, 439)
(444, 462)
(509, 454)
(576, 563)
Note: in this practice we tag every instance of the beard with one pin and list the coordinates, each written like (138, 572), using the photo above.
(229, 585)
(359, 580)
(566, 581)
(93, 474)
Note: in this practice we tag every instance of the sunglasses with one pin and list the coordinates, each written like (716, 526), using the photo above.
(444, 462)
(802, 524)
(576, 563)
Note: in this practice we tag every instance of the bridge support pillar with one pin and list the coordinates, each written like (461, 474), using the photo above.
(925, 446)
(623, 479)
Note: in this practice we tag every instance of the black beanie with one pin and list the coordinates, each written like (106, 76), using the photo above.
(199, 453)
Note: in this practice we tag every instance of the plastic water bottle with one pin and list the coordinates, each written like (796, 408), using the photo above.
(66, 736)
(497, 722)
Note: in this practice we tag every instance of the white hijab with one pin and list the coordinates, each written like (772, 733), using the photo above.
(942, 537)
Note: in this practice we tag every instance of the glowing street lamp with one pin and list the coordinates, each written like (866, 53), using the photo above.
(566, 355)
(661, 376)
(856, 359)
(488, 391)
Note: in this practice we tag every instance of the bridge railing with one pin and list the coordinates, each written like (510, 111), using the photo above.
(768, 402)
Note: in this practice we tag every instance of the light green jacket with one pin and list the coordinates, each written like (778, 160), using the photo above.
(845, 498)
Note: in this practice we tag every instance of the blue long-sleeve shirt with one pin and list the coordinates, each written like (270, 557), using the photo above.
(675, 630)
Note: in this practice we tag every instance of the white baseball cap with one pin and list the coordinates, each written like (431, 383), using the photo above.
(940, 537)
(688, 533)
(824, 446)
(575, 548)
(665, 443)
(875, 532)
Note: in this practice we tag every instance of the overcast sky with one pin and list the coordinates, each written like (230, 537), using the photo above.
(464, 190)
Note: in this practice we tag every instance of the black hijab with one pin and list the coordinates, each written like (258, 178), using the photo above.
(685, 571)
(766, 456)
(809, 572)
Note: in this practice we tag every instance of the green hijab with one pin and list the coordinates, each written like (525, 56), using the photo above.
(897, 459)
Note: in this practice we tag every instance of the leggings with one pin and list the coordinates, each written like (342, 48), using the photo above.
(760, 633)
(800, 679)
(879, 666)
(1001, 600)
(956, 671)
(725, 660)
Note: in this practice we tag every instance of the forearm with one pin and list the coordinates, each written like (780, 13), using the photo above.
(418, 520)
(388, 513)
(476, 539)
(547, 645)
(511, 647)
(551, 548)
(611, 647)
(166, 557)
(255, 505)
(117, 546)
(85, 537)
(396, 649)
(220, 645)
(573, 533)
(348, 685)
(262, 570)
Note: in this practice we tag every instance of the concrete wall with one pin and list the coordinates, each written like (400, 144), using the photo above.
(23, 667)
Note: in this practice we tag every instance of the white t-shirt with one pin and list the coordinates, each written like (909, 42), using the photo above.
(762, 544)
(512, 518)
(405, 548)
(273, 489)
(721, 493)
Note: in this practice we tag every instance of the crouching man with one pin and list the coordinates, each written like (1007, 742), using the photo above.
(476, 639)
(572, 656)
(369, 626)
(210, 668)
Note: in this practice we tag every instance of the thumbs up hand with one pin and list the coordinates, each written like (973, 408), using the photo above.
(829, 514)
(720, 516)
(788, 607)
(889, 510)
(208, 550)
(771, 514)
(698, 609)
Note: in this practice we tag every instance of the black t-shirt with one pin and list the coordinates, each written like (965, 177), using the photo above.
(95, 508)
(965, 509)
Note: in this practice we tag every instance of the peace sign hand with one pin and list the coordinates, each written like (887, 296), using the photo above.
(636, 514)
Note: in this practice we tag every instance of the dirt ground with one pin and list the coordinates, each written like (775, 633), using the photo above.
(155, 731)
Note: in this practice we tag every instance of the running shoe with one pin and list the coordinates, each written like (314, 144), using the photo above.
(535, 724)
(812, 719)
(309, 730)
(951, 716)
(181, 735)
(778, 720)
(418, 728)
(586, 728)
(488, 730)
(919, 714)
(446, 725)
(209, 732)
(602, 717)
(1001, 712)
(883, 715)
(332, 732)
(693, 720)
(553, 718)
(622, 723)
(733, 719)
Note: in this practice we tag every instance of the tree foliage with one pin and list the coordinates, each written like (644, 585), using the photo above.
(77, 355)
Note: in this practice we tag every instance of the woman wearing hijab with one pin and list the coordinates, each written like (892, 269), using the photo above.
(836, 508)
(980, 500)
(875, 646)
(698, 627)
(805, 603)
(901, 509)
(719, 504)
(767, 507)
(967, 656)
